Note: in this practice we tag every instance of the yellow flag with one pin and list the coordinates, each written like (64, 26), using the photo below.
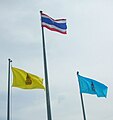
(22, 79)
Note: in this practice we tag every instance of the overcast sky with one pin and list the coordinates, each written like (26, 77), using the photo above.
(87, 48)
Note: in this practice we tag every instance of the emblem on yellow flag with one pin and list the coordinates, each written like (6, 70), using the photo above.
(28, 80)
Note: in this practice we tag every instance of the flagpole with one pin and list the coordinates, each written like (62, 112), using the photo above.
(8, 98)
(46, 76)
(82, 102)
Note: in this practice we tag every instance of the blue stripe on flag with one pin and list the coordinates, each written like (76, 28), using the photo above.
(51, 22)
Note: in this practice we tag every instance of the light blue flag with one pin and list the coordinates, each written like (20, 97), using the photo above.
(91, 86)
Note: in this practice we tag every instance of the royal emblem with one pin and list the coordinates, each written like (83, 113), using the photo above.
(93, 87)
(28, 80)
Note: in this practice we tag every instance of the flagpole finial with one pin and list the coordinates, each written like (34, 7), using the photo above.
(41, 11)
(77, 72)
(10, 60)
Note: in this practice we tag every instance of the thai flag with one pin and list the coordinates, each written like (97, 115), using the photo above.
(58, 25)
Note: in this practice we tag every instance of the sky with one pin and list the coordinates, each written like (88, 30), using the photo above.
(87, 48)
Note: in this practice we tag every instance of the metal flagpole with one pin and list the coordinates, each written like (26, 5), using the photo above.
(82, 102)
(8, 99)
(46, 76)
